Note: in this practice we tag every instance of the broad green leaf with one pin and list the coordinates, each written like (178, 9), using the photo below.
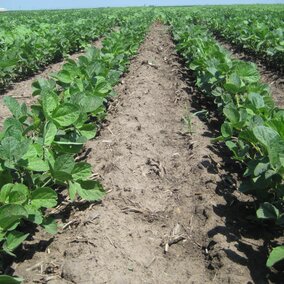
(276, 152)
(11, 214)
(65, 114)
(13, 131)
(13, 240)
(275, 256)
(37, 165)
(90, 190)
(11, 149)
(50, 102)
(102, 86)
(247, 71)
(267, 211)
(89, 131)
(5, 279)
(12, 122)
(63, 167)
(233, 83)
(13, 106)
(264, 134)
(91, 103)
(50, 131)
(63, 76)
(35, 214)
(81, 171)
(73, 189)
(64, 163)
(14, 193)
(256, 100)
(5, 191)
(44, 198)
(232, 113)
(50, 225)
(226, 130)
(260, 168)
(42, 86)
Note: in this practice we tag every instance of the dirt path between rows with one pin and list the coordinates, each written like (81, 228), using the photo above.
(166, 216)
(269, 77)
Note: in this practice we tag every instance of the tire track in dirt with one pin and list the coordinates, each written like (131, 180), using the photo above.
(161, 221)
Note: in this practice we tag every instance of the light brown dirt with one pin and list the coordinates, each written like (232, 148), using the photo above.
(165, 186)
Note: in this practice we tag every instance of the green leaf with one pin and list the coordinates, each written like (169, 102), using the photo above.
(267, 211)
(90, 190)
(247, 71)
(37, 165)
(275, 256)
(50, 101)
(13, 240)
(44, 197)
(50, 131)
(5, 279)
(63, 167)
(233, 83)
(42, 86)
(12, 122)
(256, 100)
(63, 76)
(81, 171)
(50, 225)
(11, 149)
(226, 130)
(73, 189)
(64, 163)
(89, 131)
(14, 193)
(8, 62)
(65, 114)
(264, 134)
(10, 214)
(231, 112)
(102, 86)
(260, 168)
(35, 214)
(91, 103)
(13, 106)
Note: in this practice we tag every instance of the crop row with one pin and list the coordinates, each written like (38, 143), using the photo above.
(258, 32)
(253, 126)
(38, 145)
(33, 43)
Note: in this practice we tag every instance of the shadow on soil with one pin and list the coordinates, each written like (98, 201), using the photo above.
(253, 239)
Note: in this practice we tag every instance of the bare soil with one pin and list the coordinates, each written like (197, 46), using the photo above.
(269, 76)
(171, 214)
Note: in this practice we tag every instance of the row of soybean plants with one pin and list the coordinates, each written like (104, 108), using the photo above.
(29, 41)
(259, 32)
(253, 127)
(38, 145)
